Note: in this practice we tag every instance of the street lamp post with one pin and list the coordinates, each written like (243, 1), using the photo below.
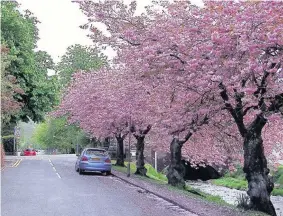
(16, 134)
(77, 146)
(129, 150)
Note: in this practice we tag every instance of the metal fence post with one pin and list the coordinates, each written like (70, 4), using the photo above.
(155, 160)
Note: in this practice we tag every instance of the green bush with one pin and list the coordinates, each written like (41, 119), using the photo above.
(278, 176)
(277, 192)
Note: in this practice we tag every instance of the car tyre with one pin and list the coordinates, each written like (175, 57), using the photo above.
(108, 173)
(77, 169)
(81, 171)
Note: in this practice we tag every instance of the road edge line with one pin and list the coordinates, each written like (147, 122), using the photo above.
(14, 165)
(58, 175)
(20, 160)
(158, 195)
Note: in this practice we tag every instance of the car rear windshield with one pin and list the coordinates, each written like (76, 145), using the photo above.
(29, 150)
(96, 152)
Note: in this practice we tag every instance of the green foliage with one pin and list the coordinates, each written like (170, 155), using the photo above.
(236, 180)
(214, 198)
(7, 137)
(9, 105)
(77, 58)
(39, 135)
(277, 192)
(278, 175)
(152, 173)
(26, 131)
(56, 133)
(19, 34)
(230, 182)
(199, 194)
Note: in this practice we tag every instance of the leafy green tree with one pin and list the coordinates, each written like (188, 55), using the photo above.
(19, 34)
(76, 58)
(56, 133)
(9, 87)
(79, 57)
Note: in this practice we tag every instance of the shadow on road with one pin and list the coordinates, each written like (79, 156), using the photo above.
(89, 173)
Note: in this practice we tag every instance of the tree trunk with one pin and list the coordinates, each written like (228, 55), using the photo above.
(141, 170)
(176, 170)
(120, 151)
(255, 167)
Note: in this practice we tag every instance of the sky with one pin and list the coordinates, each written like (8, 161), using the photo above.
(60, 21)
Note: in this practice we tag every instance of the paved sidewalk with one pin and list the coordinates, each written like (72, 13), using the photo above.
(194, 205)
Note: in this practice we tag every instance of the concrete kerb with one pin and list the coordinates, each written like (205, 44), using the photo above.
(156, 194)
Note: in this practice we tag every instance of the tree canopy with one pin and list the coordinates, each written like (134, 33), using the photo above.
(208, 79)
(79, 57)
(19, 34)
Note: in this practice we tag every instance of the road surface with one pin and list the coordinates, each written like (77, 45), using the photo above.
(50, 186)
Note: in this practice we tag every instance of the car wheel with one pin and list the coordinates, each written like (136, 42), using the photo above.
(81, 171)
(107, 173)
(77, 169)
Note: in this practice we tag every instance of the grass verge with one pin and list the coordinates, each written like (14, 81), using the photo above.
(242, 184)
(155, 177)
(151, 172)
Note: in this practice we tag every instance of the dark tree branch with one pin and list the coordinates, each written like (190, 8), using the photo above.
(146, 130)
(125, 134)
(257, 125)
(194, 127)
(177, 57)
(276, 104)
(261, 89)
(130, 42)
(132, 129)
(239, 104)
(249, 108)
(238, 117)
(187, 137)
(244, 81)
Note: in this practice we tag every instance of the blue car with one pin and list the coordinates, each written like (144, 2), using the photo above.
(94, 159)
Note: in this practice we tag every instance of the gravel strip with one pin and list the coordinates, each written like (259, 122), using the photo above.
(231, 195)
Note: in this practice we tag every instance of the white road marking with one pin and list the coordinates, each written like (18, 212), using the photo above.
(54, 169)
(49, 160)
(58, 175)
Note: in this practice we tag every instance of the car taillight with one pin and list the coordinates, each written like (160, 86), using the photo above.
(84, 158)
(107, 160)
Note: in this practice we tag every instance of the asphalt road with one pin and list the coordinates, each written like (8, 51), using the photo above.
(50, 186)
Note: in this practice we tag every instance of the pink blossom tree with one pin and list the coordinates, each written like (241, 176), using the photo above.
(234, 50)
(89, 101)
(105, 103)
(229, 50)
